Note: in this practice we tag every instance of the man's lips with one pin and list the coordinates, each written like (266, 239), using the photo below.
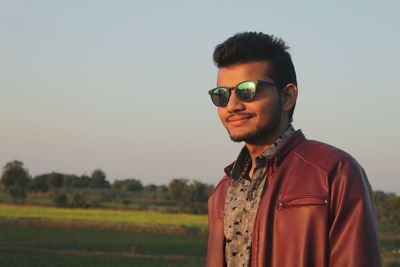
(239, 119)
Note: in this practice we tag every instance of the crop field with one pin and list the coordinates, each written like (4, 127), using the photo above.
(148, 218)
(42, 236)
(34, 236)
(43, 245)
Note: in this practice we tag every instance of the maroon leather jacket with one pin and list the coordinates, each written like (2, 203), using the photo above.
(317, 210)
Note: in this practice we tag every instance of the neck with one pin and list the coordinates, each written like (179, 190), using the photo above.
(258, 147)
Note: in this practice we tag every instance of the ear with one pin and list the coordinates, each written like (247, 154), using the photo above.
(289, 96)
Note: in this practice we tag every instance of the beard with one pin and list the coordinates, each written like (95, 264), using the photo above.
(268, 128)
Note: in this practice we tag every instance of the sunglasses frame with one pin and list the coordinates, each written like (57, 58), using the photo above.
(236, 88)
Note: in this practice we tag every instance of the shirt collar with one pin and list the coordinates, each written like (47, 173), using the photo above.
(243, 161)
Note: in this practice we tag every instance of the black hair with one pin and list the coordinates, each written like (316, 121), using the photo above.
(247, 47)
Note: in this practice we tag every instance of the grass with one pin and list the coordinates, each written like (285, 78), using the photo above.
(390, 245)
(149, 218)
(12, 258)
(40, 245)
(48, 236)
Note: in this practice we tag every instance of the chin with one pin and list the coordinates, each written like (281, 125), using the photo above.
(244, 137)
(237, 139)
(256, 135)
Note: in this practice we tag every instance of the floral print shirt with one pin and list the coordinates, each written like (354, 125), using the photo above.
(242, 202)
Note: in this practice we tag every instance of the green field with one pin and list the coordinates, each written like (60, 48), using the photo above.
(44, 236)
(23, 244)
(131, 217)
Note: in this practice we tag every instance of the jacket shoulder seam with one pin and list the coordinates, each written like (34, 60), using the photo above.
(340, 158)
(309, 161)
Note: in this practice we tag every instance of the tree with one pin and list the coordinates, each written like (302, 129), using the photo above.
(55, 180)
(61, 200)
(200, 191)
(81, 182)
(388, 207)
(189, 197)
(132, 185)
(69, 180)
(150, 188)
(39, 184)
(98, 179)
(178, 190)
(15, 179)
(162, 189)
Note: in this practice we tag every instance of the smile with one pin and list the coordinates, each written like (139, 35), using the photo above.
(238, 120)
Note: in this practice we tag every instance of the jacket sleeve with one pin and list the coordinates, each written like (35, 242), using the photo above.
(216, 243)
(353, 233)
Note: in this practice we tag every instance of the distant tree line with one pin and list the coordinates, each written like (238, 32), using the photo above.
(191, 197)
(388, 208)
(69, 190)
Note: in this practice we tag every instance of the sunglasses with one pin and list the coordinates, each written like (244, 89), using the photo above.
(245, 92)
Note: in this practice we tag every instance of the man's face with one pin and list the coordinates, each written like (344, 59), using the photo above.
(255, 121)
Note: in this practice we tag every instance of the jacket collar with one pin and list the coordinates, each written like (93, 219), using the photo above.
(296, 138)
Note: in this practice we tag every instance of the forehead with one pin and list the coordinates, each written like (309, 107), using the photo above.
(232, 75)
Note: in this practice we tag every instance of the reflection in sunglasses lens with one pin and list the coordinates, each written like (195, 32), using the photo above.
(221, 96)
(246, 91)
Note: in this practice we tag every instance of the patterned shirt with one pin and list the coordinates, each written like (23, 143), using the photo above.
(242, 202)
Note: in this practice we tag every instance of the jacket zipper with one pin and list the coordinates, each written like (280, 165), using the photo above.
(302, 201)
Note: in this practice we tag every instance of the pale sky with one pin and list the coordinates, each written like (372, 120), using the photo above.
(122, 85)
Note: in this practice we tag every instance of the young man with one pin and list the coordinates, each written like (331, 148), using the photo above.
(286, 201)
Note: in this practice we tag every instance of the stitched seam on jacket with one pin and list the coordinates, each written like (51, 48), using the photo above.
(311, 162)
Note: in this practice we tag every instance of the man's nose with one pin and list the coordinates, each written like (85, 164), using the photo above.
(234, 104)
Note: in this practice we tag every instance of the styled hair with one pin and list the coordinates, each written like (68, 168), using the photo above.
(245, 47)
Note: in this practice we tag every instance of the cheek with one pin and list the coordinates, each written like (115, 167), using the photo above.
(268, 110)
(221, 113)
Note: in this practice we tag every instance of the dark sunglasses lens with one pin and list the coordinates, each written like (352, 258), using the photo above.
(220, 96)
(246, 90)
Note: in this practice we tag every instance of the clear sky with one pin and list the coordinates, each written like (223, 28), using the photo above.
(122, 85)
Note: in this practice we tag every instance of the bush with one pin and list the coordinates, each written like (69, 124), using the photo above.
(61, 200)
